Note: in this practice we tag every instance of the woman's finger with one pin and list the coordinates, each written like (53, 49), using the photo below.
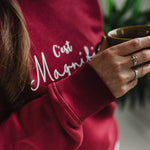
(138, 58)
(131, 84)
(144, 69)
(131, 46)
(138, 72)
(125, 88)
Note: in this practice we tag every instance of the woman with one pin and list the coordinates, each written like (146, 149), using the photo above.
(63, 97)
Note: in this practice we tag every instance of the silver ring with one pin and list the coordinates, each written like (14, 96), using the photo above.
(136, 74)
(134, 60)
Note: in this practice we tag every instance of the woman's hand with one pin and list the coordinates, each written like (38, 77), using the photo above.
(115, 65)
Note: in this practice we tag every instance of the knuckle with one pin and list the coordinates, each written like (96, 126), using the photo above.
(123, 90)
(136, 43)
(124, 62)
(144, 55)
(134, 83)
(108, 54)
(121, 78)
(116, 66)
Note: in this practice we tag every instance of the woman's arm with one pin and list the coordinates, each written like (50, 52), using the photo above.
(55, 119)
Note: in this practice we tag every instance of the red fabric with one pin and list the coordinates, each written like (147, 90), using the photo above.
(71, 107)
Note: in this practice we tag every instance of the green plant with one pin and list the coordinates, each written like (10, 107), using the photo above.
(129, 14)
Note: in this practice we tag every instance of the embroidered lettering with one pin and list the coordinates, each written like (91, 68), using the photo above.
(66, 49)
(41, 72)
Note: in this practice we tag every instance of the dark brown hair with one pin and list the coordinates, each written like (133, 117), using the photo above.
(14, 56)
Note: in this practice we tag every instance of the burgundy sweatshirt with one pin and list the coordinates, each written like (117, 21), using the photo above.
(71, 107)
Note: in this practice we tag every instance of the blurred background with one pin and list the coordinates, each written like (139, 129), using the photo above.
(133, 111)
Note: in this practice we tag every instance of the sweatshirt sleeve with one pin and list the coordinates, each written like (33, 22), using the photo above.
(54, 120)
(81, 94)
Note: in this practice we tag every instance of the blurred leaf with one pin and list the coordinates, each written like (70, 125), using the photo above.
(110, 5)
(125, 8)
(136, 10)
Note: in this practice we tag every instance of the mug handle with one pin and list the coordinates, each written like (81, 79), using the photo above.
(98, 44)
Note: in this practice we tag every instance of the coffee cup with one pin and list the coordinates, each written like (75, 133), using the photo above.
(124, 34)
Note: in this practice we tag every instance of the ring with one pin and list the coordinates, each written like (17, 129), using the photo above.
(134, 60)
(136, 74)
